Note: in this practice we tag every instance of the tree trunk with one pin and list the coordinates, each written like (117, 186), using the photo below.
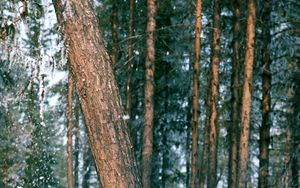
(204, 158)
(195, 100)
(214, 97)
(247, 93)
(99, 95)
(235, 99)
(87, 166)
(114, 33)
(264, 132)
(148, 101)
(188, 143)
(70, 114)
(288, 143)
(76, 144)
(129, 71)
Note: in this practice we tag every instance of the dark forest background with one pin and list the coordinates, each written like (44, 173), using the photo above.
(33, 91)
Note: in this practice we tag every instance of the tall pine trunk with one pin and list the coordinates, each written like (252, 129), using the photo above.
(247, 94)
(264, 131)
(214, 97)
(148, 100)
(195, 100)
(235, 99)
(70, 126)
(99, 95)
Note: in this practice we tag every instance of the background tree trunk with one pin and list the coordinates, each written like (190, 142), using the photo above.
(70, 126)
(214, 97)
(99, 95)
(129, 71)
(264, 132)
(235, 84)
(76, 144)
(114, 33)
(247, 93)
(195, 100)
(148, 100)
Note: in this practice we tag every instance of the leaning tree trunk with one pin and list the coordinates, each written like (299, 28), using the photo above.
(235, 100)
(195, 102)
(264, 132)
(214, 97)
(99, 95)
(247, 93)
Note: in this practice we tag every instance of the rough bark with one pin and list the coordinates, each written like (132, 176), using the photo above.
(70, 126)
(129, 70)
(195, 100)
(148, 100)
(264, 132)
(99, 95)
(235, 99)
(214, 97)
(247, 94)
(114, 33)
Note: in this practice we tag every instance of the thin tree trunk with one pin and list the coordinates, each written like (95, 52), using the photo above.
(129, 70)
(294, 126)
(247, 93)
(148, 100)
(76, 144)
(264, 132)
(195, 100)
(99, 95)
(235, 83)
(114, 33)
(87, 166)
(214, 97)
(188, 144)
(203, 164)
(70, 114)
(288, 147)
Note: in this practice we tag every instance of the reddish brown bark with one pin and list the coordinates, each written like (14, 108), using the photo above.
(264, 132)
(148, 100)
(99, 95)
(214, 95)
(195, 100)
(70, 126)
(235, 84)
(247, 94)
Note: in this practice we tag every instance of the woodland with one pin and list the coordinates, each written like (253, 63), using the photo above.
(149, 93)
